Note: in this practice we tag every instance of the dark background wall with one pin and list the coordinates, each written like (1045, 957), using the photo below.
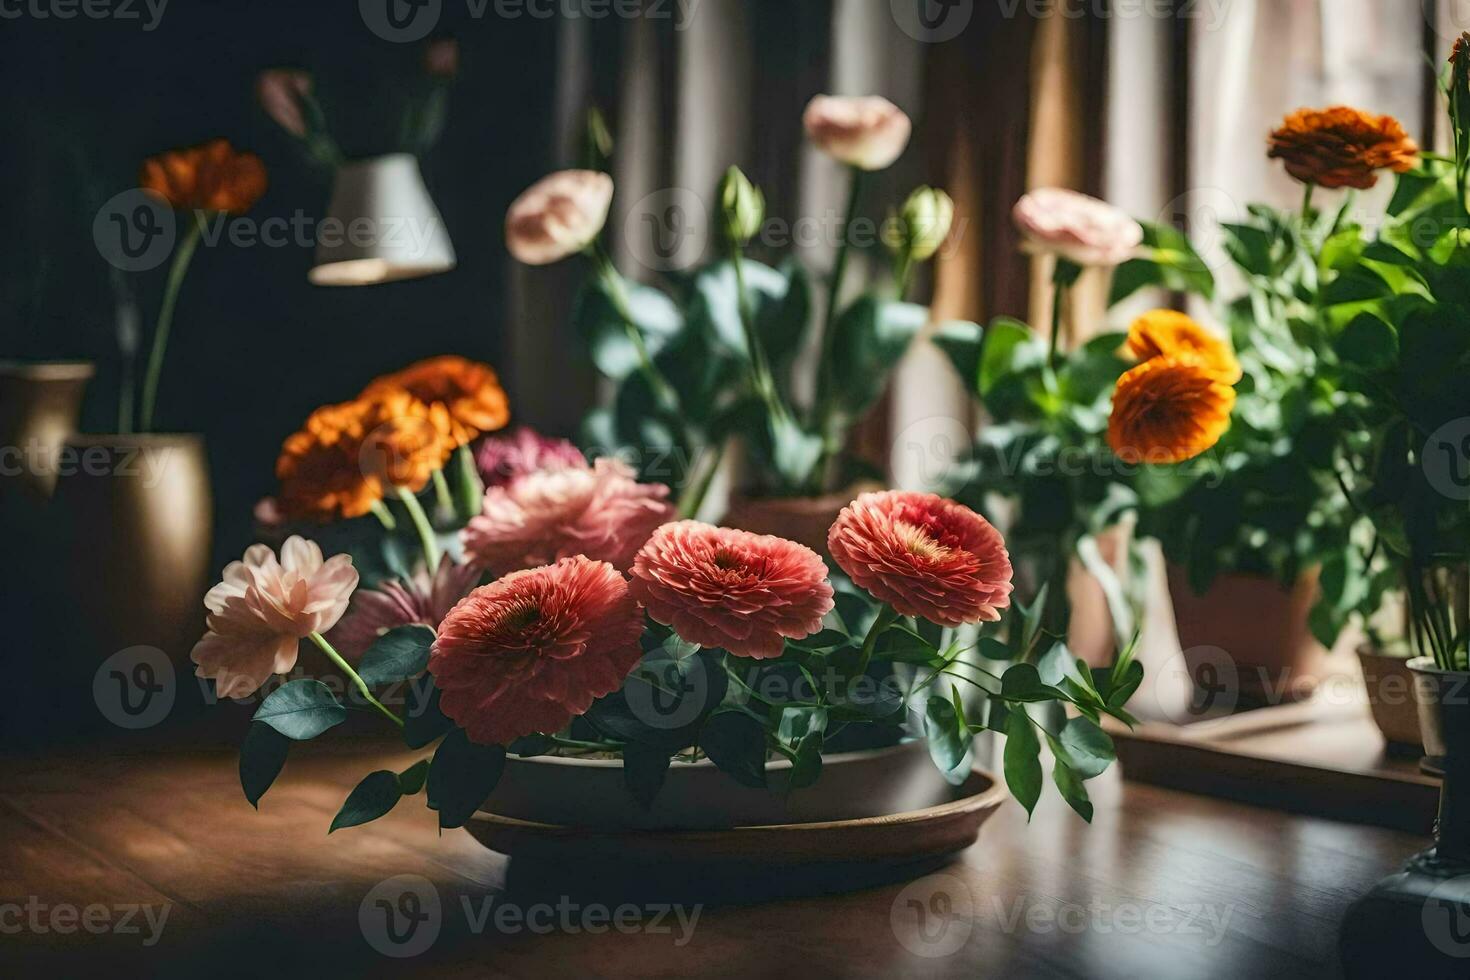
(255, 346)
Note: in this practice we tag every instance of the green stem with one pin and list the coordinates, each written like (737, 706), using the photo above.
(692, 498)
(422, 525)
(384, 516)
(887, 616)
(182, 256)
(617, 293)
(442, 496)
(1059, 292)
(346, 668)
(825, 380)
(1307, 203)
(760, 368)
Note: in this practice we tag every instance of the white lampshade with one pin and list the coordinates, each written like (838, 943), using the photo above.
(381, 226)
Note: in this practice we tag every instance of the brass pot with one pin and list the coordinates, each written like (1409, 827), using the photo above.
(804, 520)
(1260, 626)
(1391, 698)
(1444, 723)
(39, 407)
(135, 515)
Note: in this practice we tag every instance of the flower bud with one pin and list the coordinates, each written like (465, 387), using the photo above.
(743, 205)
(918, 230)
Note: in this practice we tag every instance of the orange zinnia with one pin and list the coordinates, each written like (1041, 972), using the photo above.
(1342, 147)
(1169, 333)
(468, 391)
(346, 455)
(213, 176)
(1168, 410)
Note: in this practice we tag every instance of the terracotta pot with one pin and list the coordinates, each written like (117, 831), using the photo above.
(698, 796)
(1444, 723)
(804, 520)
(134, 516)
(1391, 698)
(1261, 629)
(39, 407)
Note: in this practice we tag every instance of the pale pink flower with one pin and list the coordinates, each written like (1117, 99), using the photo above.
(503, 457)
(281, 91)
(263, 608)
(557, 216)
(1080, 229)
(441, 58)
(867, 132)
(420, 601)
(600, 511)
(720, 587)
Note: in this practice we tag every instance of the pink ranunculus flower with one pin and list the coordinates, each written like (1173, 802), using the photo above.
(280, 91)
(923, 555)
(719, 587)
(263, 608)
(503, 457)
(531, 651)
(600, 511)
(1078, 228)
(867, 132)
(420, 601)
(557, 216)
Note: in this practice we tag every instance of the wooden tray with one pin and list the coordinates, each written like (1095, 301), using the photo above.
(901, 838)
(1323, 757)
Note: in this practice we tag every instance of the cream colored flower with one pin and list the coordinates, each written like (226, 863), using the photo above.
(867, 132)
(557, 216)
(263, 608)
(1076, 227)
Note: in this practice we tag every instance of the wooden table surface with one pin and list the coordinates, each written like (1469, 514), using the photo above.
(97, 846)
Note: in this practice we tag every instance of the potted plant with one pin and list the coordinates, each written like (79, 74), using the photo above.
(713, 358)
(1266, 555)
(576, 653)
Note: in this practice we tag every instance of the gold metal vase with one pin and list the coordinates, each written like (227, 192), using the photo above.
(39, 407)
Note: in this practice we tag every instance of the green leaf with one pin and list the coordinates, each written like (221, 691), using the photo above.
(1022, 760)
(1369, 343)
(780, 303)
(1089, 749)
(794, 451)
(423, 721)
(736, 743)
(868, 340)
(644, 768)
(992, 649)
(961, 340)
(1072, 789)
(1173, 264)
(806, 768)
(372, 798)
(1121, 686)
(798, 722)
(262, 755)
(606, 333)
(1022, 682)
(412, 779)
(398, 654)
(462, 776)
(301, 709)
(1010, 348)
(948, 740)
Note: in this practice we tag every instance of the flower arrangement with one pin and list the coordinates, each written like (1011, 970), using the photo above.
(555, 612)
(713, 356)
(1272, 501)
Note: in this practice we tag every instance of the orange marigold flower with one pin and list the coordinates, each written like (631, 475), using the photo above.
(347, 455)
(1168, 410)
(213, 176)
(1169, 333)
(468, 390)
(1342, 147)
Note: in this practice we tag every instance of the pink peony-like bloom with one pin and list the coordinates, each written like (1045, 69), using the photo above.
(557, 216)
(600, 511)
(923, 555)
(420, 600)
(502, 458)
(720, 587)
(867, 132)
(263, 608)
(1076, 227)
(533, 650)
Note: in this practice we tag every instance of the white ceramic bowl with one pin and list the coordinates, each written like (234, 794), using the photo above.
(697, 796)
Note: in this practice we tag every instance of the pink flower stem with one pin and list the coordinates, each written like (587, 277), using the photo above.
(346, 668)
